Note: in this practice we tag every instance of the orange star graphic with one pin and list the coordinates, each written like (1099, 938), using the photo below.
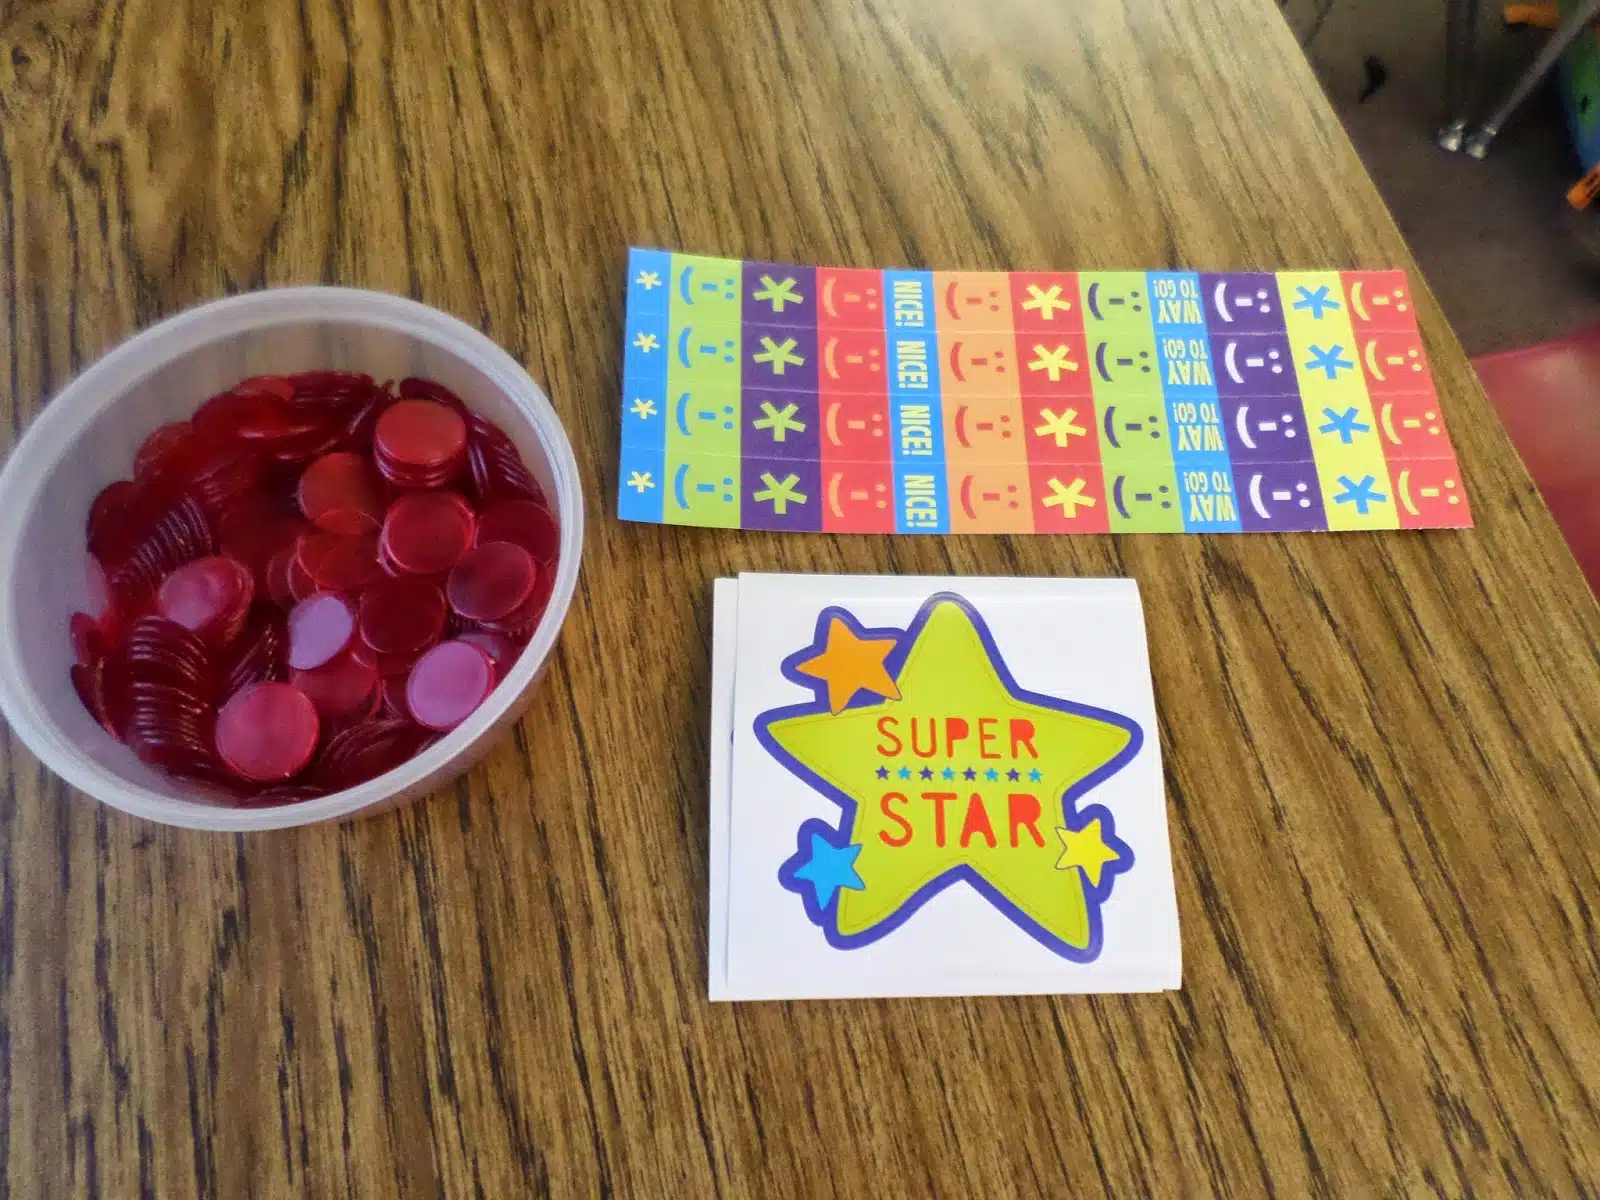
(851, 664)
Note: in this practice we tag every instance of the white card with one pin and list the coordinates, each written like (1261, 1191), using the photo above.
(931, 787)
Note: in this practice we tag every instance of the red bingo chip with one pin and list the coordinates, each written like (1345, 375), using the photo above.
(267, 732)
(525, 523)
(289, 598)
(155, 448)
(362, 752)
(343, 690)
(162, 651)
(341, 493)
(448, 683)
(419, 443)
(89, 680)
(88, 642)
(400, 618)
(299, 583)
(320, 629)
(261, 655)
(426, 533)
(271, 385)
(492, 582)
(498, 471)
(426, 389)
(338, 562)
(210, 596)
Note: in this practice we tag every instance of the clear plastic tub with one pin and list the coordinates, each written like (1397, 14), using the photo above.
(86, 438)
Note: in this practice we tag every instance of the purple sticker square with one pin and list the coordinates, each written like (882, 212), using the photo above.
(780, 294)
(1253, 364)
(1266, 429)
(1280, 497)
(779, 424)
(776, 356)
(782, 493)
(1242, 302)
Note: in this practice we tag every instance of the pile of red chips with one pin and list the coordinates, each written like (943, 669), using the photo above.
(308, 582)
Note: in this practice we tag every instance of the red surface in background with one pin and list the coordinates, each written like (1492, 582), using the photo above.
(1548, 396)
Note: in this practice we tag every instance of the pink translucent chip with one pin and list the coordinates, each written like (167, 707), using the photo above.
(267, 732)
(210, 596)
(448, 683)
(320, 628)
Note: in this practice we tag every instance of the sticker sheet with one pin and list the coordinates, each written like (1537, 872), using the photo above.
(935, 787)
(763, 396)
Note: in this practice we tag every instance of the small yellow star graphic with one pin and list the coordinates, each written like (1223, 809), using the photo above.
(1068, 498)
(780, 421)
(648, 280)
(1046, 302)
(779, 355)
(645, 408)
(646, 342)
(778, 294)
(641, 482)
(1085, 849)
(1054, 361)
(780, 493)
(1061, 428)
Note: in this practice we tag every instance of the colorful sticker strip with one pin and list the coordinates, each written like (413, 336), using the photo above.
(763, 396)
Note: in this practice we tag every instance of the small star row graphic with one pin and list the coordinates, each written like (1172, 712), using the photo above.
(970, 774)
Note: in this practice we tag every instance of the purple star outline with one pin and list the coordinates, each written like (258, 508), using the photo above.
(1074, 819)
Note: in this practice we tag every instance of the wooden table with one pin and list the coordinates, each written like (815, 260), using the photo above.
(1381, 758)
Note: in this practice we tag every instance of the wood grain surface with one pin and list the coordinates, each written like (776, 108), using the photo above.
(1381, 761)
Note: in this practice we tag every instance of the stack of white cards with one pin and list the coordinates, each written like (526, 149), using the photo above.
(935, 787)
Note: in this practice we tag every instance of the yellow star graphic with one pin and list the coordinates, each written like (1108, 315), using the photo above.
(1068, 498)
(1085, 849)
(1061, 428)
(647, 408)
(778, 294)
(648, 280)
(958, 704)
(1054, 361)
(850, 664)
(1045, 302)
(646, 342)
(779, 354)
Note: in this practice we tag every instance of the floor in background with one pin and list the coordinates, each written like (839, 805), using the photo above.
(1511, 263)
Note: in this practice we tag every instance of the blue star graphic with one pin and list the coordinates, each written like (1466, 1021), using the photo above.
(1331, 360)
(830, 868)
(1315, 302)
(969, 773)
(991, 774)
(905, 772)
(1360, 494)
(883, 772)
(948, 773)
(927, 772)
(1345, 424)
(1034, 775)
(1013, 774)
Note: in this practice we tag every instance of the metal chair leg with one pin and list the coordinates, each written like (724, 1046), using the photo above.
(1460, 47)
(1579, 19)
